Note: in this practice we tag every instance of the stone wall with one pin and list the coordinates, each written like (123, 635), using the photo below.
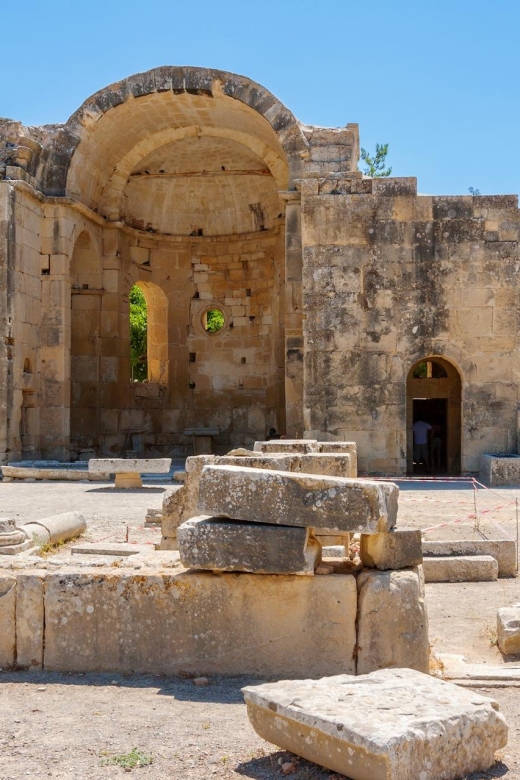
(391, 277)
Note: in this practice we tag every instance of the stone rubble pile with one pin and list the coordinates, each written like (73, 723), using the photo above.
(336, 459)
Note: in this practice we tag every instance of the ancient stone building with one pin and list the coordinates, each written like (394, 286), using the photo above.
(345, 299)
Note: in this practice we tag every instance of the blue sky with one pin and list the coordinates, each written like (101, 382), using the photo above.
(437, 80)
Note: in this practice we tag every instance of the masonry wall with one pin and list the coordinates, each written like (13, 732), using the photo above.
(391, 277)
(5, 347)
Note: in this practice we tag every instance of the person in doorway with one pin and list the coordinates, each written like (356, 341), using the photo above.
(435, 446)
(273, 434)
(421, 435)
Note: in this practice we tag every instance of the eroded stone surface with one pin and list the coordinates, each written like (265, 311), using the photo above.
(129, 465)
(29, 619)
(230, 545)
(287, 445)
(460, 568)
(503, 550)
(392, 620)
(199, 622)
(298, 499)
(400, 548)
(508, 630)
(393, 724)
(7, 620)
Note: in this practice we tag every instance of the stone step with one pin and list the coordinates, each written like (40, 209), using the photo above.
(392, 724)
(231, 545)
(503, 550)
(460, 568)
(286, 498)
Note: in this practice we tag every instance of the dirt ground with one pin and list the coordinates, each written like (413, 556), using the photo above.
(75, 726)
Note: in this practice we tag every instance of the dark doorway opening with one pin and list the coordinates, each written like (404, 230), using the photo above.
(433, 411)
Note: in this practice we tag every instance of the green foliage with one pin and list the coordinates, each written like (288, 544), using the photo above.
(473, 191)
(138, 334)
(375, 164)
(214, 320)
(132, 760)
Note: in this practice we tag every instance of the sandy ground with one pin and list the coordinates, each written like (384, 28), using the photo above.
(70, 726)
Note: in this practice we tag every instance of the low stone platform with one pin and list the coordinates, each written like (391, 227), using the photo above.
(500, 470)
(502, 550)
(393, 724)
(460, 568)
(50, 470)
(128, 470)
(162, 619)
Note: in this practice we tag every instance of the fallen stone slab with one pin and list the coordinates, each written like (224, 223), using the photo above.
(123, 549)
(503, 550)
(399, 549)
(393, 724)
(336, 464)
(63, 474)
(508, 630)
(499, 470)
(460, 568)
(287, 445)
(128, 470)
(229, 545)
(455, 667)
(286, 498)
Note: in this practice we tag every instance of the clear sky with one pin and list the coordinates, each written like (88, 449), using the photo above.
(436, 79)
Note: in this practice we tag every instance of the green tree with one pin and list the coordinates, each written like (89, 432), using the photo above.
(138, 334)
(473, 191)
(375, 164)
(214, 320)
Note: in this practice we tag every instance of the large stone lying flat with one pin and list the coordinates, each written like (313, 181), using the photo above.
(460, 568)
(164, 623)
(230, 545)
(508, 630)
(393, 724)
(285, 498)
(287, 445)
(503, 550)
(129, 465)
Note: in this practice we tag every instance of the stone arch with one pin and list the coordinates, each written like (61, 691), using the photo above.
(157, 331)
(434, 393)
(157, 87)
(85, 342)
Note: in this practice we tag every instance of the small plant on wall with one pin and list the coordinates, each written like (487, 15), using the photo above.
(138, 334)
(213, 320)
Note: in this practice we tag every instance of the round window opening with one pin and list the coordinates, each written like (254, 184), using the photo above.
(213, 320)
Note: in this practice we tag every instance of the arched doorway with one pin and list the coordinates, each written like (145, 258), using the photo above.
(433, 396)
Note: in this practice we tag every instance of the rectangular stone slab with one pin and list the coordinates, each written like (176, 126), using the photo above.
(508, 630)
(286, 498)
(393, 724)
(129, 465)
(231, 545)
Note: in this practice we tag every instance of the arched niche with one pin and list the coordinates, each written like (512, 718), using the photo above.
(85, 343)
(434, 395)
(157, 332)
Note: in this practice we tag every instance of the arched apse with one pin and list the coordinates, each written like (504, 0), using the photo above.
(434, 397)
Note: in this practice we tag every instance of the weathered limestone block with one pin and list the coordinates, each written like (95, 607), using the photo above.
(287, 445)
(230, 545)
(331, 464)
(7, 620)
(508, 630)
(497, 470)
(392, 621)
(29, 619)
(129, 465)
(393, 724)
(398, 549)
(57, 528)
(503, 550)
(128, 470)
(280, 624)
(460, 568)
(181, 505)
(347, 447)
(285, 498)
